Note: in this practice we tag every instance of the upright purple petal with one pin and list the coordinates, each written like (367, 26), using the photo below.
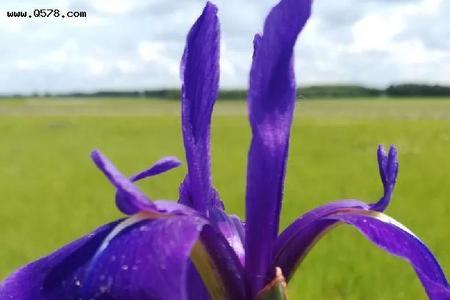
(200, 77)
(382, 230)
(133, 199)
(388, 166)
(147, 260)
(271, 102)
(58, 275)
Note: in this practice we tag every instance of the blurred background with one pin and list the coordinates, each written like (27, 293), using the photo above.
(77, 75)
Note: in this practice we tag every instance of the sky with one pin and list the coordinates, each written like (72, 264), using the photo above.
(137, 44)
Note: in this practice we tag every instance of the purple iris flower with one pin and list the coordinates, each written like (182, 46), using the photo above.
(193, 249)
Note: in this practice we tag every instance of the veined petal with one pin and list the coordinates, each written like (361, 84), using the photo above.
(58, 275)
(132, 199)
(219, 257)
(219, 266)
(124, 202)
(231, 228)
(271, 102)
(312, 225)
(392, 237)
(297, 239)
(146, 260)
(200, 78)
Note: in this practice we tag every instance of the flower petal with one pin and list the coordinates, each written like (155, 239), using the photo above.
(297, 239)
(56, 276)
(313, 226)
(218, 266)
(200, 76)
(163, 165)
(147, 260)
(133, 199)
(124, 202)
(389, 235)
(388, 166)
(231, 228)
(271, 102)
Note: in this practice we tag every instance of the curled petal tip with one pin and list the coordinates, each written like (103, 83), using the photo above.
(388, 166)
(96, 156)
(392, 164)
(382, 161)
(380, 151)
(173, 159)
(211, 7)
(163, 165)
(132, 199)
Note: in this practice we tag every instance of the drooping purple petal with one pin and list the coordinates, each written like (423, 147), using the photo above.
(56, 276)
(313, 226)
(396, 239)
(147, 260)
(200, 78)
(271, 103)
(387, 234)
(296, 240)
(124, 202)
(132, 199)
(388, 166)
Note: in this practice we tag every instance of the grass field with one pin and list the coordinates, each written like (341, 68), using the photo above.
(51, 193)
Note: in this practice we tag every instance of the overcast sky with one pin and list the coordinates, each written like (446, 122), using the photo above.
(137, 44)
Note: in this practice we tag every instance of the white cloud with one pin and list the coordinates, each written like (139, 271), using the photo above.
(151, 51)
(138, 43)
(376, 32)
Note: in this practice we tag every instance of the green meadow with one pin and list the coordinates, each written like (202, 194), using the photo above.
(51, 193)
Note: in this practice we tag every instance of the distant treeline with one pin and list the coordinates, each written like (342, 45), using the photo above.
(355, 91)
(309, 92)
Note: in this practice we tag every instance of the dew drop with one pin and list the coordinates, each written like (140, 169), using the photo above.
(143, 228)
(124, 267)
